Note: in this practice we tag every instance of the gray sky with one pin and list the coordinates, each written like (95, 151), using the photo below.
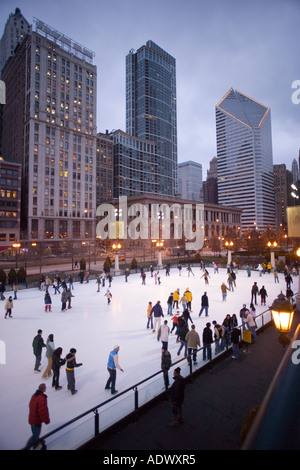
(250, 45)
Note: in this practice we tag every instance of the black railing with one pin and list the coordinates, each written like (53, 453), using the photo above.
(188, 369)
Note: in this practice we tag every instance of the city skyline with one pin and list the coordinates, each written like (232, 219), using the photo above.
(250, 47)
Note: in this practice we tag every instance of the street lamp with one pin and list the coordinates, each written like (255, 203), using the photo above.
(272, 252)
(17, 247)
(229, 246)
(116, 246)
(283, 314)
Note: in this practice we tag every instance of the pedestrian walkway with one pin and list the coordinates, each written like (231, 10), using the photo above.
(216, 405)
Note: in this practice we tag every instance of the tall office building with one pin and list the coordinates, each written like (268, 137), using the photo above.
(15, 30)
(135, 168)
(49, 127)
(151, 108)
(245, 159)
(190, 180)
(283, 179)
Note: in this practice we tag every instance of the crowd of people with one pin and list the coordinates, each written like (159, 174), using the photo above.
(178, 310)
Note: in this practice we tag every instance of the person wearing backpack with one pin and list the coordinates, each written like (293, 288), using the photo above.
(166, 362)
(218, 335)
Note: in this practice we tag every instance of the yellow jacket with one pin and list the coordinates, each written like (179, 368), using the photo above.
(188, 295)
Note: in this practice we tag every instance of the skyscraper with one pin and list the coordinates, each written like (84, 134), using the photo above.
(190, 180)
(49, 127)
(15, 30)
(151, 108)
(245, 159)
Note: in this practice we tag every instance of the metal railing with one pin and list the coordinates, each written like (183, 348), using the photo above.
(88, 425)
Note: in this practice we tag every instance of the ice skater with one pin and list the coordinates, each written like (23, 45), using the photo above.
(70, 366)
(8, 307)
(48, 302)
(112, 366)
(108, 295)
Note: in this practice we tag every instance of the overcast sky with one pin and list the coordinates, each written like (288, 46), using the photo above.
(250, 45)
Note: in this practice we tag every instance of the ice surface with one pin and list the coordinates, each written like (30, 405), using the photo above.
(93, 327)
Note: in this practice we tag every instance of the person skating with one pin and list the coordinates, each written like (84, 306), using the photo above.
(48, 302)
(108, 295)
(149, 316)
(37, 345)
(64, 298)
(204, 304)
(57, 362)
(112, 366)
(207, 338)
(38, 414)
(224, 290)
(9, 304)
(254, 292)
(193, 342)
(189, 298)
(163, 334)
(170, 303)
(71, 364)
(49, 352)
(176, 298)
(166, 362)
(157, 315)
(263, 295)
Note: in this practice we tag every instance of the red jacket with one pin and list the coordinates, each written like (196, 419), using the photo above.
(38, 409)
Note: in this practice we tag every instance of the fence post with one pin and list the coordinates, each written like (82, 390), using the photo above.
(96, 423)
(136, 399)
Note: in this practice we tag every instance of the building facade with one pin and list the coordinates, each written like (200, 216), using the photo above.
(190, 180)
(15, 30)
(245, 159)
(135, 165)
(10, 203)
(104, 167)
(49, 127)
(151, 108)
(283, 179)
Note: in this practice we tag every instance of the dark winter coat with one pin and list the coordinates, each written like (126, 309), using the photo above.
(57, 361)
(38, 409)
(177, 390)
(204, 301)
(166, 360)
(235, 335)
(157, 311)
(38, 344)
(207, 335)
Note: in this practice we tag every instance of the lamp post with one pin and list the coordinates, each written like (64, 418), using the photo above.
(272, 252)
(17, 247)
(283, 314)
(116, 247)
(229, 246)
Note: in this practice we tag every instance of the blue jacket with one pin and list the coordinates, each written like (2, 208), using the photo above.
(157, 311)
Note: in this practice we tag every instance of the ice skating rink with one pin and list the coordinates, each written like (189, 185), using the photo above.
(93, 327)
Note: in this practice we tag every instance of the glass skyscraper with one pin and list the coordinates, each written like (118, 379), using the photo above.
(151, 108)
(245, 159)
